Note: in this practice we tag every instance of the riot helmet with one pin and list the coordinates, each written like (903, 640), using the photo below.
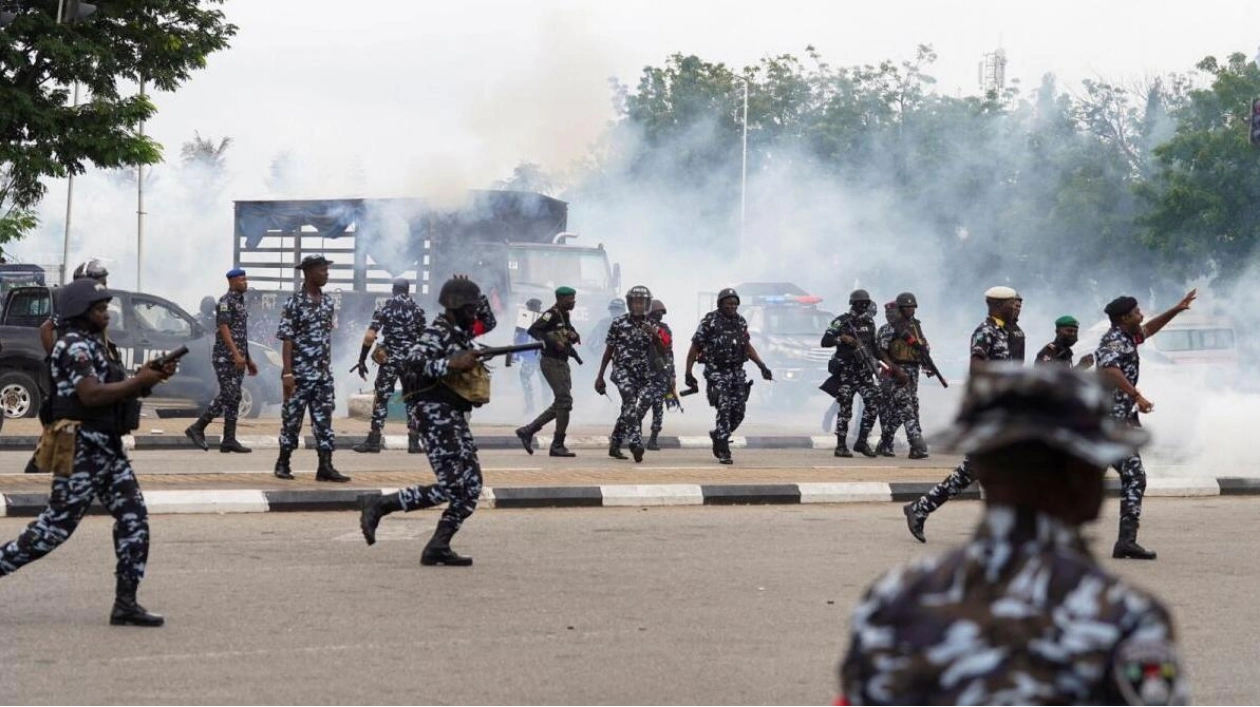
(93, 268)
(859, 296)
(458, 292)
(728, 292)
(907, 299)
(533, 304)
(75, 299)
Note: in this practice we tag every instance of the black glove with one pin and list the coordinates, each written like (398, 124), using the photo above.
(691, 381)
(765, 372)
(361, 366)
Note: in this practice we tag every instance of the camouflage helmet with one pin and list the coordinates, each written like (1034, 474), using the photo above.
(458, 292)
(727, 292)
(93, 268)
(616, 304)
(859, 296)
(639, 292)
(75, 299)
(657, 306)
(907, 299)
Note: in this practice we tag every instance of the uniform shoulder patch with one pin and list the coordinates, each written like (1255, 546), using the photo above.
(1147, 673)
(546, 316)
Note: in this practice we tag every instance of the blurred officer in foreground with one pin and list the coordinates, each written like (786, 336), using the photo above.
(1023, 613)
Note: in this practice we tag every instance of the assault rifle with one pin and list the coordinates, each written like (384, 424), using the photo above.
(909, 335)
(872, 365)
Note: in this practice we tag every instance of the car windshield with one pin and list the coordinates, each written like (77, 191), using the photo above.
(792, 321)
(1195, 339)
(556, 267)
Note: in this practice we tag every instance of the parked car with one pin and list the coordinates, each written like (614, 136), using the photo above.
(143, 327)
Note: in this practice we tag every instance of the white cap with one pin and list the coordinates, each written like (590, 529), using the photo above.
(1001, 292)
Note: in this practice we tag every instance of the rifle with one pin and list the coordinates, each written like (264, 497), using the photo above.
(908, 334)
(873, 366)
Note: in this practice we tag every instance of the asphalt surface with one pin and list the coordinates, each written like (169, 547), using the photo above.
(666, 605)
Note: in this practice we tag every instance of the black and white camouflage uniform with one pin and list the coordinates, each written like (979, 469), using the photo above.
(400, 321)
(632, 340)
(230, 311)
(854, 378)
(308, 325)
(1119, 349)
(723, 343)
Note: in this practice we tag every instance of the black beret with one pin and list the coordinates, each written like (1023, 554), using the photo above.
(1120, 306)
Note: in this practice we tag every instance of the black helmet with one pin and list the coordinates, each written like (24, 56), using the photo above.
(639, 292)
(907, 299)
(728, 292)
(401, 286)
(92, 268)
(533, 304)
(78, 297)
(207, 305)
(459, 291)
(616, 304)
(859, 296)
(657, 306)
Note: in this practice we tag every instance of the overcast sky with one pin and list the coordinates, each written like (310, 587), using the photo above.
(421, 95)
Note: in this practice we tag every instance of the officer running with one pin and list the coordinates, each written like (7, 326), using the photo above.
(723, 343)
(902, 345)
(400, 320)
(1118, 363)
(559, 337)
(1059, 351)
(1022, 613)
(990, 342)
(634, 346)
(94, 404)
(230, 358)
(443, 372)
(305, 333)
(665, 392)
(847, 333)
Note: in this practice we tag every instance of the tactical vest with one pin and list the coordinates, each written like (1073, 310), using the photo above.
(901, 350)
(120, 418)
(728, 347)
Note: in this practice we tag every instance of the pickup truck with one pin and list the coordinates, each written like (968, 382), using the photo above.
(143, 327)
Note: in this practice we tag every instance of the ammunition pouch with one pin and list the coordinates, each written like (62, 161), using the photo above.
(472, 386)
(831, 386)
(120, 418)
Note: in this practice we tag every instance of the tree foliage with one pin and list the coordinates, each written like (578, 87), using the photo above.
(42, 135)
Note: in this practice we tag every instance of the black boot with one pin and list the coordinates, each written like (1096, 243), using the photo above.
(283, 470)
(371, 445)
(724, 452)
(864, 448)
(197, 432)
(326, 472)
(717, 446)
(526, 436)
(842, 449)
(557, 447)
(918, 448)
(229, 443)
(413, 443)
(127, 611)
(372, 509)
(653, 443)
(1127, 547)
(614, 451)
(914, 522)
(885, 447)
(439, 552)
(636, 450)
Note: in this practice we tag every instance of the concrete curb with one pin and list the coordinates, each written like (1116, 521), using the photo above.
(611, 496)
(345, 442)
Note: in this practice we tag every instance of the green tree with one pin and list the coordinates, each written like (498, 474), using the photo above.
(1203, 216)
(159, 42)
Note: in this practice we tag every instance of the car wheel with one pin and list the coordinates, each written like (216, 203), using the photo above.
(251, 401)
(19, 395)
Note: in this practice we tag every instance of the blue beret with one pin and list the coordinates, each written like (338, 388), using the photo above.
(235, 272)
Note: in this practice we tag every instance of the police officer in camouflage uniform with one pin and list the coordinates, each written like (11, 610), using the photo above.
(1059, 351)
(990, 342)
(1022, 613)
(888, 421)
(556, 332)
(901, 344)
(95, 403)
(665, 393)
(722, 343)
(231, 360)
(305, 332)
(444, 353)
(848, 332)
(633, 345)
(400, 320)
(1119, 363)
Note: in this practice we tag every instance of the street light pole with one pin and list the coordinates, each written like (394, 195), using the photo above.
(743, 175)
(140, 212)
(65, 239)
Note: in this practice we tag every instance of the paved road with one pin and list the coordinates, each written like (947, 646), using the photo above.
(677, 605)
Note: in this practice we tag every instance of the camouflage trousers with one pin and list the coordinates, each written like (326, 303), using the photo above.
(386, 380)
(728, 390)
(559, 379)
(957, 482)
(1132, 482)
(854, 381)
(529, 369)
(317, 395)
(228, 402)
(453, 456)
(903, 404)
(636, 399)
(102, 471)
(658, 406)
